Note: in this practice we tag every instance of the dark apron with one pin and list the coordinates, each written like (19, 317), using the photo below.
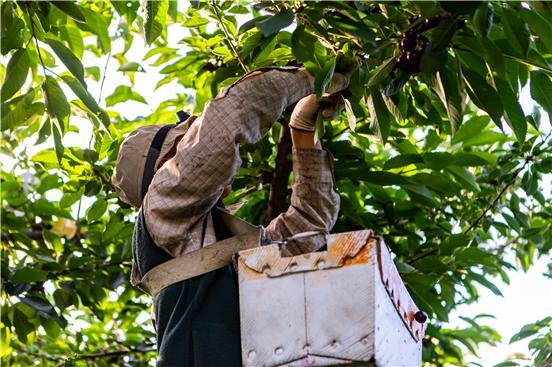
(196, 320)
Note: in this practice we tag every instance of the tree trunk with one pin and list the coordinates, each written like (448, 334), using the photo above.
(277, 199)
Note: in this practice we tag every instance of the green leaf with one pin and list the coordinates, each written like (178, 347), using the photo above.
(29, 275)
(131, 66)
(516, 31)
(123, 93)
(442, 34)
(70, 8)
(454, 242)
(68, 58)
(381, 72)
(195, 21)
(12, 28)
(512, 222)
(58, 144)
(96, 210)
(16, 74)
(351, 118)
(156, 15)
(539, 24)
(483, 19)
(514, 113)
(402, 160)
(41, 305)
(128, 9)
(483, 95)
(63, 298)
(475, 256)
(275, 23)
(526, 331)
(541, 85)
(464, 177)
(52, 328)
(396, 83)
(96, 24)
(448, 90)
(485, 138)
(421, 194)
(69, 198)
(73, 36)
(56, 103)
(433, 60)
(87, 99)
(22, 325)
(352, 28)
(322, 80)
(460, 7)
(494, 56)
(506, 364)
(486, 283)
(379, 114)
(18, 110)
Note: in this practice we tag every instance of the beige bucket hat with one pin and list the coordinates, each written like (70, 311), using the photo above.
(131, 177)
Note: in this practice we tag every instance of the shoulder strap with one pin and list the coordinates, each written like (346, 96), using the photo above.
(153, 154)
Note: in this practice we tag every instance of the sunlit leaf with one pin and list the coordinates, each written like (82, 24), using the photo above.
(124, 93)
(483, 95)
(539, 24)
(379, 114)
(56, 103)
(541, 85)
(11, 37)
(322, 80)
(68, 58)
(351, 118)
(156, 14)
(86, 98)
(16, 74)
(449, 92)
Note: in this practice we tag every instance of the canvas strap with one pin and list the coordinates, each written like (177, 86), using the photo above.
(206, 259)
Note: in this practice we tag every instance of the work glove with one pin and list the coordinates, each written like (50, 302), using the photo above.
(305, 112)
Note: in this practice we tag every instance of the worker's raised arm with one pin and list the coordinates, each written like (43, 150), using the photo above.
(314, 201)
(187, 186)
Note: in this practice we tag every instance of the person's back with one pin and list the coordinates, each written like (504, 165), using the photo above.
(197, 320)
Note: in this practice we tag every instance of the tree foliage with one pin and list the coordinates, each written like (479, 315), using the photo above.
(435, 151)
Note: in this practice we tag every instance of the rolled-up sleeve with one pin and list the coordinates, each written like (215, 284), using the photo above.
(314, 201)
(186, 187)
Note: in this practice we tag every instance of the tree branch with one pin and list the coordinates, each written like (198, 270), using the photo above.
(493, 203)
(114, 353)
(229, 37)
(480, 217)
(278, 188)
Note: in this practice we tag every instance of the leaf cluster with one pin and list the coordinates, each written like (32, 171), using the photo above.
(436, 152)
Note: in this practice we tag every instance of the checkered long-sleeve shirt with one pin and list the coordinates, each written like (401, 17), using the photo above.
(177, 205)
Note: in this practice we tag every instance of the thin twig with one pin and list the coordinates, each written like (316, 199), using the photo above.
(113, 353)
(36, 41)
(104, 75)
(229, 38)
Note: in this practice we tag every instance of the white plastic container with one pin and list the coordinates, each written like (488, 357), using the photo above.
(344, 306)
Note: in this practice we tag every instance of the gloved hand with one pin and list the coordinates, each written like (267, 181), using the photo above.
(305, 112)
(338, 82)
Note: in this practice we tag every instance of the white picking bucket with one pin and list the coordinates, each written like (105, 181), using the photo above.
(344, 306)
